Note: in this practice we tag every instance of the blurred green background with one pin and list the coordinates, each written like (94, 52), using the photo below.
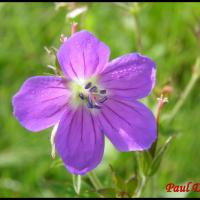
(166, 34)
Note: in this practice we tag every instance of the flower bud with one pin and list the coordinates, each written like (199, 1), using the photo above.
(52, 140)
(167, 90)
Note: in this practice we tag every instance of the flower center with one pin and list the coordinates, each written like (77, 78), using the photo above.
(88, 93)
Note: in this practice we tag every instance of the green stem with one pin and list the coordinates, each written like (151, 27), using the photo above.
(142, 178)
(186, 92)
(133, 10)
(161, 103)
(137, 32)
(141, 186)
(95, 180)
(152, 185)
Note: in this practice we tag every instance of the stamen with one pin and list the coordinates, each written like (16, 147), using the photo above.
(102, 91)
(90, 103)
(103, 99)
(93, 89)
(96, 106)
(81, 96)
(88, 85)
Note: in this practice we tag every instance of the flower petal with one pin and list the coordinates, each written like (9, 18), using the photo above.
(40, 102)
(79, 141)
(129, 125)
(129, 76)
(83, 55)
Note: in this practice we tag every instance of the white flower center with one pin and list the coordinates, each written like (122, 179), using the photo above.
(87, 92)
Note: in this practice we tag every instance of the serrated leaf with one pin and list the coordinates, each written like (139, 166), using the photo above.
(76, 183)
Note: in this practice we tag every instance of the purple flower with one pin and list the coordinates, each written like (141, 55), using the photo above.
(95, 98)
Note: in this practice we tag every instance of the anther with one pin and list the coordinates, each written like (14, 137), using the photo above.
(90, 103)
(96, 106)
(81, 96)
(88, 85)
(93, 89)
(102, 91)
(103, 99)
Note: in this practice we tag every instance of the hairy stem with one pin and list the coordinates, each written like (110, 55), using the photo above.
(161, 103)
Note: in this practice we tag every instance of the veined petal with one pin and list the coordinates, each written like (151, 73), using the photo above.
(83, 55)
(40, 102)
(129, 76)
(130, 126)
(79, 141)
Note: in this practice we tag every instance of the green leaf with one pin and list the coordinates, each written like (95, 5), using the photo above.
(54, 50)
(131, 185)
(118, 181)
(158, 157)
(57, 63)
(77, 183)
(107, 192)
(144, 160)
(166, 131)
(57, 163)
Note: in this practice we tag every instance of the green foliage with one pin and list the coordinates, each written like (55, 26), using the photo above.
(156, 161)
(167, 33)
